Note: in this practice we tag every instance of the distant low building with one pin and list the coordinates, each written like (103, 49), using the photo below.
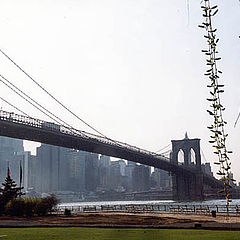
(206, 168)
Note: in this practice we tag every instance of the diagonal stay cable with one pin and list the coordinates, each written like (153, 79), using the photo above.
(203, 155)
(4, 100)
(21, 69)
(235, 124)
(55, 99)
(27, 100)
(168, 151)
(163, 148)
(37, 106)
(60, 121)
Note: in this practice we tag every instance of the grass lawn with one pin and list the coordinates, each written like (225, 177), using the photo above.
(112, 234)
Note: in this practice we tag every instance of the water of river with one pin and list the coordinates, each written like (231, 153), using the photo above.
(160, 202)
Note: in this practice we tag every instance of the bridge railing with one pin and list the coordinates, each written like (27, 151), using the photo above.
(34, 122)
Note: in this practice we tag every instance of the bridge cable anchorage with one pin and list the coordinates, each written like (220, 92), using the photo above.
(4, 100)
(36, 104)
(55, 99)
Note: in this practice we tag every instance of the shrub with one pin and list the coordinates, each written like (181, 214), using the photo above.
(30, 206)
(15, 207)
(2, 205)
(46, 205)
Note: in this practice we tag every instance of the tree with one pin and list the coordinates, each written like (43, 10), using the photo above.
(8, 192)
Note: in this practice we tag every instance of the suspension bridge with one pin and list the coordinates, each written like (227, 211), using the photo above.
(188, 179)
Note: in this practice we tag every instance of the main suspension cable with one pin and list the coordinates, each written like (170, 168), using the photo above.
(60, 103)
(33, 104)
(4, 100)
(60, 121)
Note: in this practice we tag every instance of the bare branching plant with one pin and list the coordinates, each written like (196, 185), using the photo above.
(217, 128)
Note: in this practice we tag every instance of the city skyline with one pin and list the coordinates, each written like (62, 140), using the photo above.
(62, 171)
(75, 175)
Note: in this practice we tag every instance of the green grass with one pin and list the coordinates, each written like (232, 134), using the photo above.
(112, 234)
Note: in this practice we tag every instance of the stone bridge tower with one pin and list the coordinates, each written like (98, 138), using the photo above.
(187, 187)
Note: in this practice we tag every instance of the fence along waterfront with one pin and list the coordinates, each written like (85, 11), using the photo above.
(140, 208)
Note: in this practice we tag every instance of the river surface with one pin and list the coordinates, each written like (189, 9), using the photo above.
(160, 202)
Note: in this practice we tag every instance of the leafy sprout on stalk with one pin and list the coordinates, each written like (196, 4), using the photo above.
(217, 128)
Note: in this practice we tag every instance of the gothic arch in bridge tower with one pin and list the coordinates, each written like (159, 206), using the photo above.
(180, 157)
(192, 157)
(188, 146)
(187, 186)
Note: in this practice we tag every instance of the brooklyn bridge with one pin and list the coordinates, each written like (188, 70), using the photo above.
(189, 182)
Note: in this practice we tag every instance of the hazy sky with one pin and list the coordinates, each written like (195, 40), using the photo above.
(131, 68)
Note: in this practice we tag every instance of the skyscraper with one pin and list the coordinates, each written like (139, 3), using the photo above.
(91, 171)
(11, 153)
(104, 172)
(76, 180)
(52, 167)
(28, 165)
(141, 178)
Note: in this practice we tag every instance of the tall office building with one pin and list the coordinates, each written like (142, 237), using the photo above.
(29, 171)
(52, 168)
(104, 172)
(91, 171)
(115, 176)
(122, 165)
(128, 173)
(11, 153)
(76, 181)
(11, 144)
(141, 178)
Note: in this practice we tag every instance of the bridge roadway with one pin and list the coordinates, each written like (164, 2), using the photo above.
(27, 128)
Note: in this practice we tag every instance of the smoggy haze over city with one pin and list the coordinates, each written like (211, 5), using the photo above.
(132, 68)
